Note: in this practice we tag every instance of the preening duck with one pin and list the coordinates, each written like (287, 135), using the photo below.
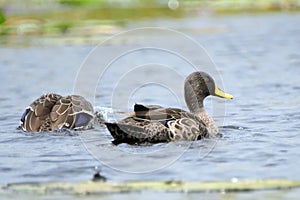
(53, 111)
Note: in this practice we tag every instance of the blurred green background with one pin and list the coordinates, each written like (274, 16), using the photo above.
(96, 17)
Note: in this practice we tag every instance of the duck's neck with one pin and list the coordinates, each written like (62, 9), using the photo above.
(209, 122)
(196, 107)
(193, 99)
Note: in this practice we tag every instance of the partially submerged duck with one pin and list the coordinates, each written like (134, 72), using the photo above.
(155, 124)
(53, 111)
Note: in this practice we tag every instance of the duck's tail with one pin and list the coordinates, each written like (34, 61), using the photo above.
(124, 133)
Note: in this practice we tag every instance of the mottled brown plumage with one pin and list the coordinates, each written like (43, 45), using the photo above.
(154, 124)
(52, 111)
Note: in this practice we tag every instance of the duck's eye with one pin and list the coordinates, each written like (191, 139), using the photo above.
(24, 115)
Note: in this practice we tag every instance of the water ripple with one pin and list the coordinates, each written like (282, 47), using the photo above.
(260, 135)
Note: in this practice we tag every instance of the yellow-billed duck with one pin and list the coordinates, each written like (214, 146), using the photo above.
(53, 111)
(155, 124)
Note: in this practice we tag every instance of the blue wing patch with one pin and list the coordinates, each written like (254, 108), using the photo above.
(24, 115)
(82, 119)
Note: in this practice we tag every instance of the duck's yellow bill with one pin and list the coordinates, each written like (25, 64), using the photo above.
(222, 94)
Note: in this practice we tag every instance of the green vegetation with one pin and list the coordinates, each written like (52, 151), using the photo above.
(89, 187)
(63, 21)
(63, 27)
(67, 16)
(250, 6)
(80, 2)
(2, 17)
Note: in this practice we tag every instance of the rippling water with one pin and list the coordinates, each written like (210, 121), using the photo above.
(258, 58)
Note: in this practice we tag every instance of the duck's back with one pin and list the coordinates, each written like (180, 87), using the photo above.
(72, 112)
(52, 111)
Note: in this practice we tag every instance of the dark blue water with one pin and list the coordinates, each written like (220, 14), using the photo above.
(258, 60)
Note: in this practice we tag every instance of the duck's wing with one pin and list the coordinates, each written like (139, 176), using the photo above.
(72, 112)
(144, 108)
(83, 112)
(135, 132)
(187, 129)
(36, 116)
(182, 125)
(157, 113)
(149, 112)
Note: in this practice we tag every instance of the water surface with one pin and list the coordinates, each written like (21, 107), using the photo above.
(259, 62)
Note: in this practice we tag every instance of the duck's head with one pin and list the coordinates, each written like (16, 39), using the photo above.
(199, 85)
